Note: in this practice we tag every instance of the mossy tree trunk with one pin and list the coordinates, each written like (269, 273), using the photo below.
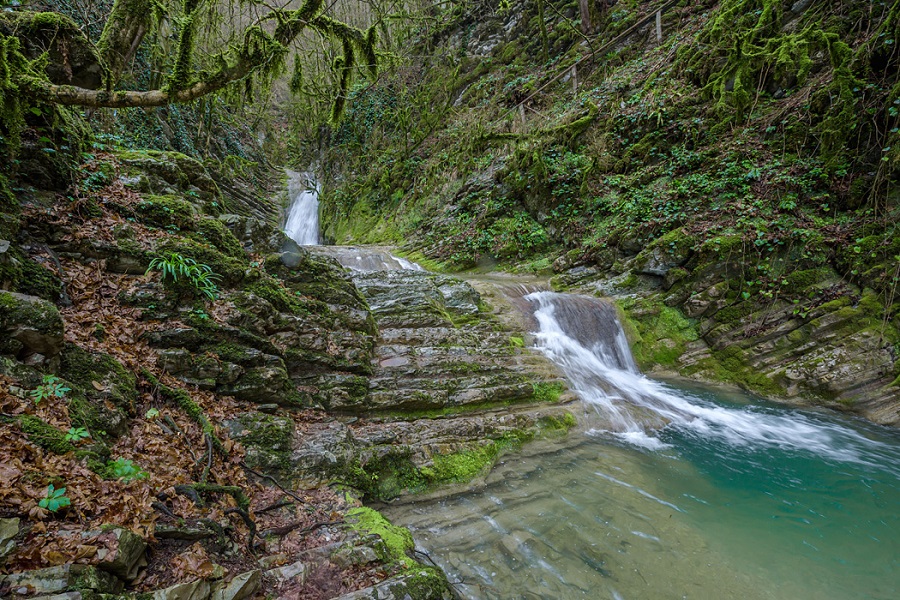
(128, 23)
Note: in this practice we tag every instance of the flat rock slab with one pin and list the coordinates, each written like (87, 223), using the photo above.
(64, 578)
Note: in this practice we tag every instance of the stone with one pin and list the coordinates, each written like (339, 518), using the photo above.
(459, 296)
(189, 534)
(9, 529)
(242, 586)
(195, 590)
(254, 234)
(349, 556)
(54, 580)
(297, 572)
(34, 323)
(128, 557)
(421, 584)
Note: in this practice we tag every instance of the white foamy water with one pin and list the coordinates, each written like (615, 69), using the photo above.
(302, 223)
(368, 259)
(584, 338)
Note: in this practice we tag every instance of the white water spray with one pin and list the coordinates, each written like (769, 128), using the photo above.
(583, 336)
(302, 224)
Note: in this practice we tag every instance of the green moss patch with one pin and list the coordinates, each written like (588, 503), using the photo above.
(397, 540)
(214, 232)
(44, 435)
(658, 333)
(90, 370)
(548, 391)
(165, 211)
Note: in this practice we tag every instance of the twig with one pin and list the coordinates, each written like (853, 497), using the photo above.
(275, 506)
(163, 509)
(286, 529)
(277, 484)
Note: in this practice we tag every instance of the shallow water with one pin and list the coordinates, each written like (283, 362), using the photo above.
(673, 492)
(698, 519)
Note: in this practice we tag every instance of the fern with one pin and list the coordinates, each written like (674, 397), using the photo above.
(200, 276)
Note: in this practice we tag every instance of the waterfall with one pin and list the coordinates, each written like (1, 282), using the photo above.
(585, 339)
(302, 224)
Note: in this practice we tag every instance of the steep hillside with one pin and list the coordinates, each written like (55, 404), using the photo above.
(734, 184)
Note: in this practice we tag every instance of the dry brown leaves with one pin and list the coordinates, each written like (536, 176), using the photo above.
(94, 292)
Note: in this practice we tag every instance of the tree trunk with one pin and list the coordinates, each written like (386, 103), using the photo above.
(584, 7)
(128, 23)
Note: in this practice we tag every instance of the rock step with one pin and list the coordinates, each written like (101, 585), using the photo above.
(446, 337)
(425, 399)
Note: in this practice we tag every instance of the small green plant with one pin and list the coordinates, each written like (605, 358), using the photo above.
(126, 470)
(51, 388)
(76, 434)
(55, 499)
(201, 277)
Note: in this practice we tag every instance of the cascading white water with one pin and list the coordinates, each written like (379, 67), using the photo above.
(368, 259)
(302, 223)
(583, 336)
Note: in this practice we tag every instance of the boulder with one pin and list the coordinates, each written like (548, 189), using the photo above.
(32, 325)
(421, 584)
(242, 586)
(127, 556)
(195, 590)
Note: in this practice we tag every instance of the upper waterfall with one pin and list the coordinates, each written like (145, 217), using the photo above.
(302, 223)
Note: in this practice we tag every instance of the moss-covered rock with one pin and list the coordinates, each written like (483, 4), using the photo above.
(231, 270)
(100, 376)
(167, 172)
(29, 326)
(397, 540)
(165, 211)
(43, 434)
(38, 280)
(268, 440)
(658, 333)
(213, 231)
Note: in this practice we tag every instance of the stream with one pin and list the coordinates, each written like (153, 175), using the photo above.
(673, 491)
(668, 490)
